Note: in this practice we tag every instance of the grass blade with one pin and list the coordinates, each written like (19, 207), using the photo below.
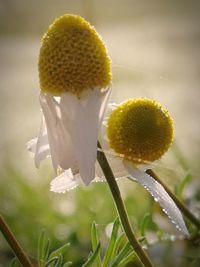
(144, 224)
(51, 261)
(59, 251)
(118, 244)
(125, 261)
(123, 253)
(59, 263)
(110, 249)
(46, 250)
(69, 263)
(43, 246)
(95, 242)
(93, 257)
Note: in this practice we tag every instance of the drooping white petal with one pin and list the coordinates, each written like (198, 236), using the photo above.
(64, 182)
(104, 104)
(48, 105)
(42, 149)
(39, 147)
(61, 148)
(31, 146)
(82, 117)
(159, 194)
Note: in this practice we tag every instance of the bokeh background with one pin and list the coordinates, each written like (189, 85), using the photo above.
(154, 46)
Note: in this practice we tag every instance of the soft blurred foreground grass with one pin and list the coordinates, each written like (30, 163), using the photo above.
(30, 208)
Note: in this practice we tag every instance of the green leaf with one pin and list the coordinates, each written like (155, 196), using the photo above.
(181, 186)
(123, 253)
(110, 249)
(51, 261)
(46, 250)
(59, 251)
(119, 243)
(126, 260)
(69, 263)
(91, 260)
(95, 242)
(43, 249)
(59, 263)
(144, 224)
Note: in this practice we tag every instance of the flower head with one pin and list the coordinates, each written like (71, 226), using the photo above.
(73, 58)
(140, 129)
(75, 79)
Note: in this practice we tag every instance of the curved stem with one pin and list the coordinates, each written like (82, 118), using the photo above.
(181, 206)
(121, 208)
(14, 244)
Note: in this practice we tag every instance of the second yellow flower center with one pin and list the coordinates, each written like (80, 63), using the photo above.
(73, 57)
(141, 130)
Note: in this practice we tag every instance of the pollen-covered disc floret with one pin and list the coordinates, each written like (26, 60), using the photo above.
(73, 57)
(140, 129)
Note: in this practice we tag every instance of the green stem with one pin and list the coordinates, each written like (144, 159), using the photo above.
(14, 244)
(181, 206)
(121, 208)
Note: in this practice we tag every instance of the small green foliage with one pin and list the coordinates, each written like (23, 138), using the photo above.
(93, 257)
(125, 251)
(144, 224)
(95, 242)
(47, 259)
(111, 244)
(118, 244)
(126, 260)
(59, 251)
(43, 249)
(69, 263)
(118, 251)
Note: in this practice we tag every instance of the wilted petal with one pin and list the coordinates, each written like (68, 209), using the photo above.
(82, 117)
(159, 194)
(39, 147)
(104, 104)
(31, 146)
(64, 182)
(61, 147)
(42, 149)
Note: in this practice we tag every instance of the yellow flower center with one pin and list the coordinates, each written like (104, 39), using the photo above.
(73, 58)
(140, 129)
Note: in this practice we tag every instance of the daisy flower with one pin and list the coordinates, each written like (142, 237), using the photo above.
(75, 78)
(139, 132)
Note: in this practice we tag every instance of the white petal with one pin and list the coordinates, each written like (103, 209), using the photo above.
(159, 194)
(82, 117)
(104, 105)
(42, 149)
(59, 139)
(48, 105)
(64, 182)
(31, 145)
(39, 147)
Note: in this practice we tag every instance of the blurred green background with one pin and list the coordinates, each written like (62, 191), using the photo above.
(154, 46)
